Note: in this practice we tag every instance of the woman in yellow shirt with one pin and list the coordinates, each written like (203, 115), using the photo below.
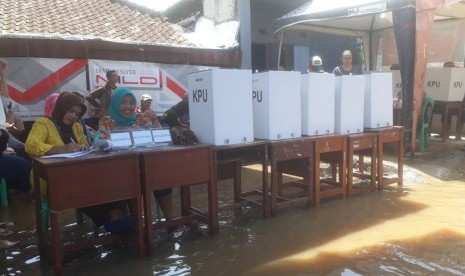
(60, 133)
(63, 133)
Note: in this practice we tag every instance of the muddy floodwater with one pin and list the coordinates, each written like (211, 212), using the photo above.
(419, 230)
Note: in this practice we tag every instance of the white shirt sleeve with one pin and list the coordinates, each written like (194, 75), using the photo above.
(3, 100)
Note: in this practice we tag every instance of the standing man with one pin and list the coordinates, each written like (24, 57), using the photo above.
(347, 68)
(146, 112)
(315, 65)
(103, 95)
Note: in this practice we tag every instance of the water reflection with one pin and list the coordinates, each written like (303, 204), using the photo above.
(418, 231)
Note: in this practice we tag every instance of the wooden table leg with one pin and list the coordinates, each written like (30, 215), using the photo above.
(374, 164)
(237, 181)
(350, 168)
(274, 188)
(56, 244)
(458, 125)
(148, 220)
(185, 200)
(139, 227)
(380, 164)
(266, 198)
(39, 231)
(445, 125)
(213, 207)
(316, 176)
(342, 171)
(400, 159)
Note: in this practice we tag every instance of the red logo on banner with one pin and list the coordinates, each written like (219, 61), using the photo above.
(173, 86)
(50, 82)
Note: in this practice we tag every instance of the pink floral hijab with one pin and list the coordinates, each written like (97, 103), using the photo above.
(50, 104)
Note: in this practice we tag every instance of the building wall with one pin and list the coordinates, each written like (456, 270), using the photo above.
(220, 11)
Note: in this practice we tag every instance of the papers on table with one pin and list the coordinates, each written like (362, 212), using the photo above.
(69, 155)
(126, 140)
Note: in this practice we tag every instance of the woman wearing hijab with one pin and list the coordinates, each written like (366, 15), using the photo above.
(60, 133)
(63, 133)
(123, 116)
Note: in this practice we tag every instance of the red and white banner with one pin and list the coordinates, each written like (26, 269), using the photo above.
(32, 80)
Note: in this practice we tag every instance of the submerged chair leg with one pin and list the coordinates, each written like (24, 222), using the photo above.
(3, 193)
(80, 220)
(421, 136)
(79, 217)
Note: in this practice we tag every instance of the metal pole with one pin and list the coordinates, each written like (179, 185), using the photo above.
(281, 37)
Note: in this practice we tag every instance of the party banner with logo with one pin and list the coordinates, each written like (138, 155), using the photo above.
(31, 80)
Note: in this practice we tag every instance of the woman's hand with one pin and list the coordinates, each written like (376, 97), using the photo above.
(72, 147)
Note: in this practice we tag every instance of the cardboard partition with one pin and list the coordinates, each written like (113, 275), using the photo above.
(378, 101)
(318, 103)
(350, 100)
(445, 84)
(276, 105)
(220, 106)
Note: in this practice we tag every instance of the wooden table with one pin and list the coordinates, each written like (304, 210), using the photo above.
(171, 166)
(85, 181)
(229, 160)
(361, 144)
(331, 149)
(291, 156)
(397, 116)
(393, 135)
(447, 108)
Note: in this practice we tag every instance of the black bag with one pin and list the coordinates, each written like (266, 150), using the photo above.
(182, 135)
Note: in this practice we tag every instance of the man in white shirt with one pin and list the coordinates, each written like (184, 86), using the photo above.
(4, 99)
(14, 169)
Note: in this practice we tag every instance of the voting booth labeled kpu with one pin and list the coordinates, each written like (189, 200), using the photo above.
(276, 105)
(220, 106)
(318, 99)
(378, 100)
(445, 84)
(349, 107)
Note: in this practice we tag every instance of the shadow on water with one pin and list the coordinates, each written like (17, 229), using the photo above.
(419, 230)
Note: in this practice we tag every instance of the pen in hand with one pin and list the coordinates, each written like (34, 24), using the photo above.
(74, 142)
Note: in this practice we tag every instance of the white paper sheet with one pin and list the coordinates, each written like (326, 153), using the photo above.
(69, 155)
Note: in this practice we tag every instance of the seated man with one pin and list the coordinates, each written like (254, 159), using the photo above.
(14, 123)
(177, 115)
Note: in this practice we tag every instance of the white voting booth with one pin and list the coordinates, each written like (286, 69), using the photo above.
(276, 105)
(378, 100)
(318, 100)
(445, 84)
(220, 106)
(349, 107)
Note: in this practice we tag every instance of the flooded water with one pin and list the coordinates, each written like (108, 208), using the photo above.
(417, 231)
